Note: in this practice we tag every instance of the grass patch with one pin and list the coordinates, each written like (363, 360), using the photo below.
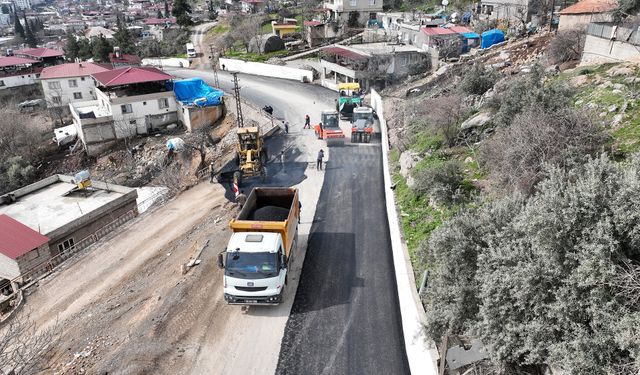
(219, 29)
(251, 56)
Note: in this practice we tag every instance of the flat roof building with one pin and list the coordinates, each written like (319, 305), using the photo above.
(71, 218)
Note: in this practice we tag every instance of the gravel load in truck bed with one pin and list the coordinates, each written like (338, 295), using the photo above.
(270, 213)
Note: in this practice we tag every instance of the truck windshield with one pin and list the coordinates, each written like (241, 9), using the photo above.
(252, 265)
(362, 116)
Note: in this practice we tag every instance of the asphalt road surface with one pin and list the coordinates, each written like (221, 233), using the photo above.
(345, 317)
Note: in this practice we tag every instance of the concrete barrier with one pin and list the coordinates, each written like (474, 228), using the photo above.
(170, 62)
(422, 359)
(267, 70)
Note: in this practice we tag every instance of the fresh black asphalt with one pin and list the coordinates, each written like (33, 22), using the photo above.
(345, 317)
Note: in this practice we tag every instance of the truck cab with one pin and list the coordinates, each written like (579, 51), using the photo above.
(255, 268)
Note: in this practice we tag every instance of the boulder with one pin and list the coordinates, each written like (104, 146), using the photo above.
(632, 80)
(617, 119)
(476, 121)
(612, 108)
(617, 71)
(408, 160)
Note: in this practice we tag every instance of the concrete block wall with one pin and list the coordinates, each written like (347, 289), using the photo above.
(267, 70)
(599, 50)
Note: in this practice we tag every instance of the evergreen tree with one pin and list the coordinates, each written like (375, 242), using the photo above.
(72, 48)
(17, 26)
(159, 14)
(181, 10)
(85, 50)
(30, 38)
(5, 9)
(123, 38)
(100, 49)
(166, 9)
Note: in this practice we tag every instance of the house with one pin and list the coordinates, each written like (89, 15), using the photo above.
(512, 10)
(253, 6)
(160, 21)
(318, 32)
(200, 104)
(69, 83)
(46, 56)
(610, 42)
(130, 101)
(21, 249)
(354, 11)
(98, 31)
(118, 59)
(60, 219)
(18, 71)
(442, 42)
(580, 14)
(362, 63)
(470, 39)
(284, 27)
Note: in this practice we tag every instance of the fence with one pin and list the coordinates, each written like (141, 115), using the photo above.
(614, 32)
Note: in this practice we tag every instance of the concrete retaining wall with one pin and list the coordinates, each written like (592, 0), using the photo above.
(168, 63)
(422, 359)
(600, 50)
(268, 70)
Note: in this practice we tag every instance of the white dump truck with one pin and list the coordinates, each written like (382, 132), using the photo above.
(258, 256)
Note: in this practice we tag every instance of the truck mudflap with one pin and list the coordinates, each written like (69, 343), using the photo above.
(251, 300)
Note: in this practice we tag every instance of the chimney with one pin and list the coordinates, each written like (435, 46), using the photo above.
(116, 51)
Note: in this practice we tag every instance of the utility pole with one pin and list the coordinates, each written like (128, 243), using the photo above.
(236, 92)
(214, 65)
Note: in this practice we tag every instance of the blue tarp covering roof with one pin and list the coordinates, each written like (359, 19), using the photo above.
(471, 36)
(194, 91)
(491, 37)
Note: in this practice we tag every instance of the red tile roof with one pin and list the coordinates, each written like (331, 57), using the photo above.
(39, 52)
(130, 75)
(124, 59)
(437, 31)
(159, 21)
(460, 29)
(73, 70)
(17, 239)
(312, 23)
(346, 53)
(15, 60)
(590, 6)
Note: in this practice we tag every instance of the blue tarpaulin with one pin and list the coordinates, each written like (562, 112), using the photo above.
(471, 36)
(194, 91)
(491, 37)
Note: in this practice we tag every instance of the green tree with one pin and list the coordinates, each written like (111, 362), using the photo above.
(182, 12)
(100, 49)
(85, 49)
(30, 37)
(123, 37)
(159, 14)
(72, 47)
(17, 26)
(537, 281)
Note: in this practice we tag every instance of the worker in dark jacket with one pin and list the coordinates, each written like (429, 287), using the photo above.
(307, 122)
(319, 161)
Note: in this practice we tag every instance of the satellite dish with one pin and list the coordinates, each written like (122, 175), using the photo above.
(445, 3)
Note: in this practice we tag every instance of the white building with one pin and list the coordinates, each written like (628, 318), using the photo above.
(23, 4)
(341, 10)
(18, 71)
(70, 83)
(129, 101)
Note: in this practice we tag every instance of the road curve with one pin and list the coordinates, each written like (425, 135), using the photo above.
(345, 317)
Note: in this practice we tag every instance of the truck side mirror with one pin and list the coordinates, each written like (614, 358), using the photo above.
(221, 259)
(283, 263)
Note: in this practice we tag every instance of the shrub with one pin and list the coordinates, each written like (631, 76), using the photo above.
(441, 182)
(478, 80)
(516, 155)
(566, 46)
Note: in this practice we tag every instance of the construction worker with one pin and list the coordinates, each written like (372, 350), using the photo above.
(286, 126)
(241, 199)
(211, 172)
(307, 122)
(319, 161)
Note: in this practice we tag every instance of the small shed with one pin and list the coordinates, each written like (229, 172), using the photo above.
(491, 37)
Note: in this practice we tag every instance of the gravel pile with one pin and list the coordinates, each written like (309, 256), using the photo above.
(270, 213)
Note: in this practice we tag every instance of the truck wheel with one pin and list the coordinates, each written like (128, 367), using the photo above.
(237, 178)
(263, 157)
(286, 279)
(236, 159)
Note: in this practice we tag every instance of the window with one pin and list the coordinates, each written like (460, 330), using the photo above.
(126, 108)
(82, 78)
(54, 85)
(132, 122)
(73, 83)
(353, 2)
(56, 100)
(66, 245)
(372, 2)
(163, 103)
(77, 95)
(33, 254)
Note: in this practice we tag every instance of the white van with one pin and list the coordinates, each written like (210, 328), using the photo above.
(191, 51)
